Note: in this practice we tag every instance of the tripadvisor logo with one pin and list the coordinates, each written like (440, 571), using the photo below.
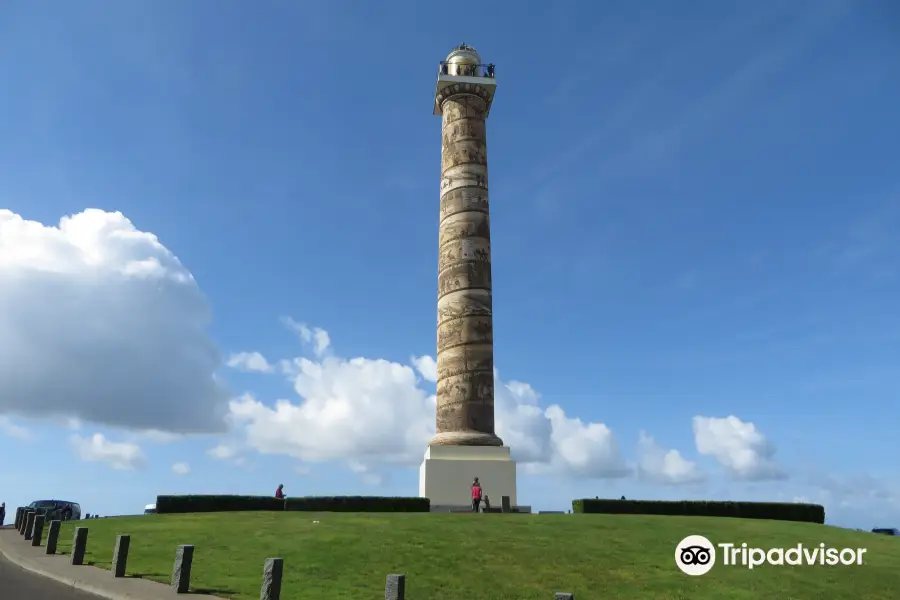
(696, 555)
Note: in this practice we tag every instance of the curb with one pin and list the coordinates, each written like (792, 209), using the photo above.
(26, 564)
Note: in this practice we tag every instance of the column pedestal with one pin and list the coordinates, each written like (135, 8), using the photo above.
(446, 475)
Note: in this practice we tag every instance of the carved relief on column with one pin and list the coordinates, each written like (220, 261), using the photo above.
(465, 353)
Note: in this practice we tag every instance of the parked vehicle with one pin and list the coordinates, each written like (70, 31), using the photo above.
(886, 531)
(150, 509)
(62, 510)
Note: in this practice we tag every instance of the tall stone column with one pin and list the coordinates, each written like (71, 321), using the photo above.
(465, 338)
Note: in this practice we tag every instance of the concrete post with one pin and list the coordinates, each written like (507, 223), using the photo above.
(24, 522)
(37, 530)
(395, 587)
(120, 555)
(79, 545)
(29, 524)
(53, 536)
(273, 571)
(181, 570)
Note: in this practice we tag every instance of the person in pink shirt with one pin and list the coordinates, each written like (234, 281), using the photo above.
(476, 495)
(279, 493)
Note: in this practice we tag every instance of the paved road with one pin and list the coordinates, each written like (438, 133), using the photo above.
(18, 584)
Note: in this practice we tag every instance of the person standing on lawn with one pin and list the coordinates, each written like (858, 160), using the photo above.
(476, 495)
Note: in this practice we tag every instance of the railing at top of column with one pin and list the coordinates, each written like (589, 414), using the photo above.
(466, 70)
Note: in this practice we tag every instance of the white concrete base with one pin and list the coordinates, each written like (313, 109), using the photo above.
(446, 474)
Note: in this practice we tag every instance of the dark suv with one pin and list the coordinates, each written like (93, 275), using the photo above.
(886, 531)
(57, 509)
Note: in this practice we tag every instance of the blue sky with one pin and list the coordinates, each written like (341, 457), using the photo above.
(695, 212)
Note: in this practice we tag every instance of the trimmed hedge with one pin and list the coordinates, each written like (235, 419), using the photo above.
(225, 503)
(359, 504)
(776, 511)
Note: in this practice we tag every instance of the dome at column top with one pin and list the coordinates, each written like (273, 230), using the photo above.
(464, 55)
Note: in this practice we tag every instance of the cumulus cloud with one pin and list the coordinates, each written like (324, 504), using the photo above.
(100, 322)
(118, 455)
(427, 367)
(374, 408)
(181, 469)
(667, 467)
(348, 408)
(738, 446)
(249, 362)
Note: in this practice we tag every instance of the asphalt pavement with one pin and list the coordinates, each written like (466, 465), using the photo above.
(18, 584)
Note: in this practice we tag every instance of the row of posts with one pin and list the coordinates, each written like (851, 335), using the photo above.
(30, 525)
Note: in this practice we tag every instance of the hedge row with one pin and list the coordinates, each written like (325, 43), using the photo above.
(223, 503)
(777, 511)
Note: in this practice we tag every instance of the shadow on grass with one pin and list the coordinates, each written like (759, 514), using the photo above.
(213, 592)
(162, 577)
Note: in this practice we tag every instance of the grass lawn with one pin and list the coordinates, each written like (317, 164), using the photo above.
(489, 557)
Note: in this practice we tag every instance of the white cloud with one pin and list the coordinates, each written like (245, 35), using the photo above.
(223, 452)
(319, 338)
(119, 455)
(667, 467)
(427, 367)
(738, 446)
(250, 362)
(365, 473)
(100, 322)
(181, 469)
(10, 429)
(584, 449)
(158, 437)
(349, 408)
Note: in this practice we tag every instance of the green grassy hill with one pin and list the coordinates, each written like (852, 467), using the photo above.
(489, 557)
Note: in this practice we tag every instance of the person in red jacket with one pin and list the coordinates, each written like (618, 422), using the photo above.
(279, 493)
(476, 495)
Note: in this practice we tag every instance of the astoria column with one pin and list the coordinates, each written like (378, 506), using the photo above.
(465, 340)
